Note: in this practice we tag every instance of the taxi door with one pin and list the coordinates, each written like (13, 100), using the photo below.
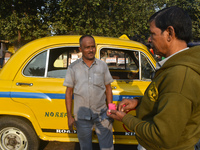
(39, 86)
(131, 70)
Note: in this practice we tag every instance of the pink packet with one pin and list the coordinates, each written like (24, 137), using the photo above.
(112, 106)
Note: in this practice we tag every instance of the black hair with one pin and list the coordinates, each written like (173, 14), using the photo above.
(82, 37)
(177, 18)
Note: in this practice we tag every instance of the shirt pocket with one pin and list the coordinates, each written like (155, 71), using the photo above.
(99, 80)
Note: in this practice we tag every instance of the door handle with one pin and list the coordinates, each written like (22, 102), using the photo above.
(27, 84)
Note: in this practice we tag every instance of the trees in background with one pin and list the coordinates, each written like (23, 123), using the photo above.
(25, 20)
(21, 20)
(103, 17)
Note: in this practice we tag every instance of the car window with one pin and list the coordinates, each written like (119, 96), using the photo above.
(60, 59)
(36, 67)
(147, 67)
(57, 60)
(123, 64)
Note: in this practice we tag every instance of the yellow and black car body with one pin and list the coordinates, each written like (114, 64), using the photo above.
(32, 95)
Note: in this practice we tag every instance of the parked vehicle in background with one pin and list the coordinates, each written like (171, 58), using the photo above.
(32, 95)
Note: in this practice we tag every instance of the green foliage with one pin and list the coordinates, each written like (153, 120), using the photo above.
(25, 20)
(21, 20)
(103, 17)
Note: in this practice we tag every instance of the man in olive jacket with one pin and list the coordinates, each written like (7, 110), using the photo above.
(168, 115)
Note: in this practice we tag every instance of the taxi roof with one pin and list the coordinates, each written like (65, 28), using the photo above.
(74, 39)
(63, 40)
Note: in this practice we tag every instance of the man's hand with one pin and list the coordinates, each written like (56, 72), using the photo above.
(71, 123)
(127, 104)
(118, 115)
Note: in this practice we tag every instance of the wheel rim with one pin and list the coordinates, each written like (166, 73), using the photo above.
(13, 139)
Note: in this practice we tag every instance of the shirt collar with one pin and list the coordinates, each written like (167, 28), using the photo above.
(95, 61)
(161, 63)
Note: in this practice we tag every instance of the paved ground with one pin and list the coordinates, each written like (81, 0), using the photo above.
(75, 146)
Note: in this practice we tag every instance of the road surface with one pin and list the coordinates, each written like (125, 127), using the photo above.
(75, 146)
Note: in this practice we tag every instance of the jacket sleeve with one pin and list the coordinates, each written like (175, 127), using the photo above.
(167, 121)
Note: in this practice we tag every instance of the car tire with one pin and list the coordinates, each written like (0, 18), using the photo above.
(17, 134)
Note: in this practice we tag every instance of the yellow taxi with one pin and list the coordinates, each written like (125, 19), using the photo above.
(32, 95)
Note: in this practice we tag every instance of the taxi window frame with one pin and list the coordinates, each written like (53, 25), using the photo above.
(47, 61)
(33, 57)
(140, 65)
(149, 62)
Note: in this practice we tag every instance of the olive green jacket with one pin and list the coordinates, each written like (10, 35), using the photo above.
(168, 116)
